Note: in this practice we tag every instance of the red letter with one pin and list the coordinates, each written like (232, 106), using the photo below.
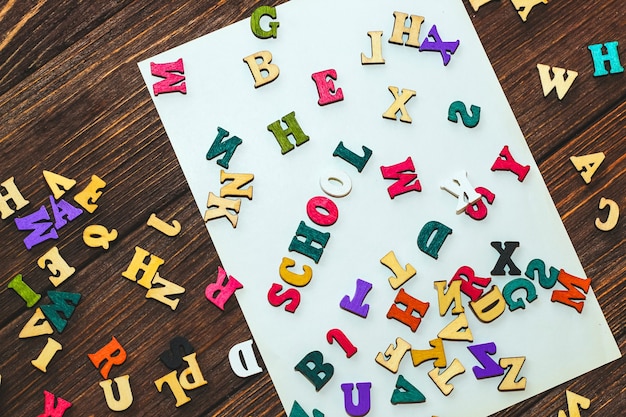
(277, 300)
(398, 172)
(326, 88)
(505, 162)
(172, 82)
(49, 410)
(218, 293)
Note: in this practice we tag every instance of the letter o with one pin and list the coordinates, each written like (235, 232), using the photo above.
(322, 219)
(336, 183)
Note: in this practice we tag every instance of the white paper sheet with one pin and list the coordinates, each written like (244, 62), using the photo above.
(557, 342)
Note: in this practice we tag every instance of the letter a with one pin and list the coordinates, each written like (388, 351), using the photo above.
(524, 7)
(58, 184)
(406, 393)
(477, 3)
(297, 411)
(63, 302)
(587, 164)
(575, 402)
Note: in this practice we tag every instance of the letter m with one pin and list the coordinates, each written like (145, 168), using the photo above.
(174, 74)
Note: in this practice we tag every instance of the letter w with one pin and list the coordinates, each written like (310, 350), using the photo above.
(558, 83)
(173, 82)
(400, 172)
(568, 296)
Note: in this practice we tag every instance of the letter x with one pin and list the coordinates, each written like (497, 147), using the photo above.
(437, 45)
(505, 258)
(398, 105)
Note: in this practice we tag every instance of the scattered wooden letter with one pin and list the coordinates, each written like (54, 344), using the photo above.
(124, 393)
(600, 59)
(442, 379)
(558, 83)
(611, 219)
(163, 227)
(575, 403)
(587, 165)
(399, 104)
(46, 355)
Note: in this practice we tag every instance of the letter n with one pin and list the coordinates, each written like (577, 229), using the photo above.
(166, 288)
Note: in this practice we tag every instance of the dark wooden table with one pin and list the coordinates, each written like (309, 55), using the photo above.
(72, 102)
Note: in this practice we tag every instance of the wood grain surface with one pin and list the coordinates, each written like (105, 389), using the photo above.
(72, 101)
